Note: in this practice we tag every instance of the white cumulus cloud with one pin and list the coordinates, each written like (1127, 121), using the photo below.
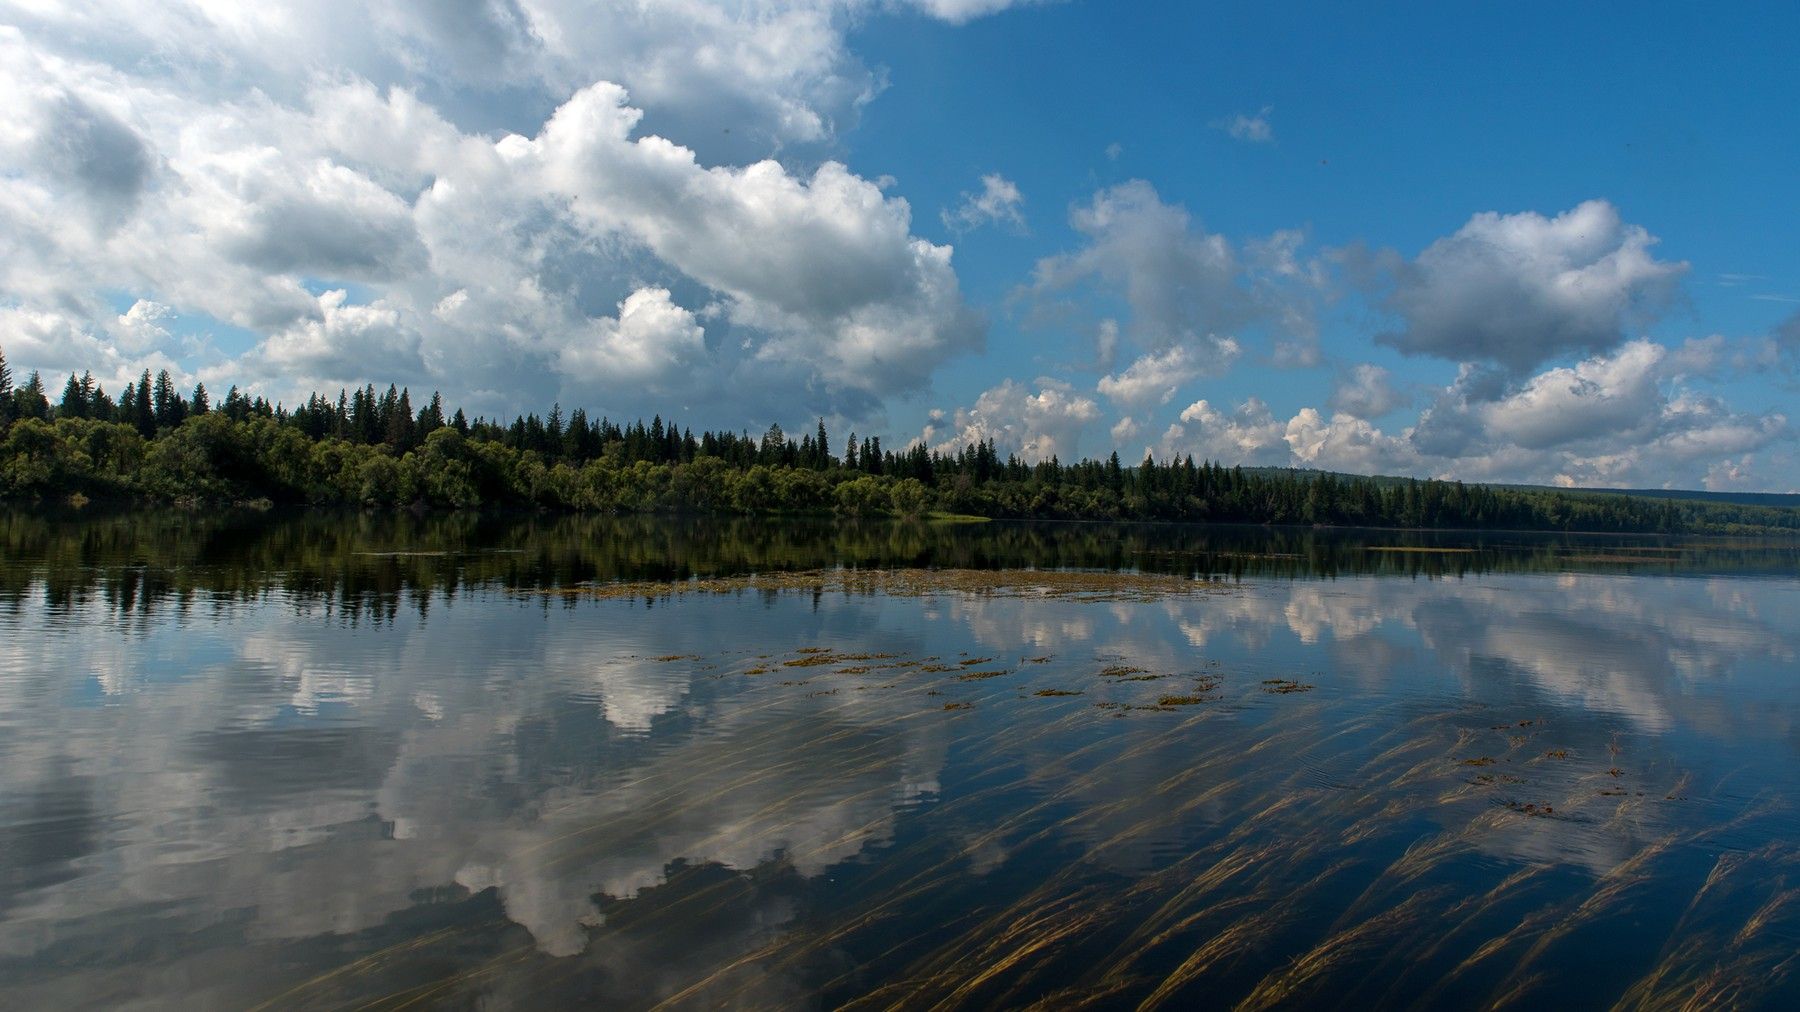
(1519, 289)
(484, 193)
(1036, 426)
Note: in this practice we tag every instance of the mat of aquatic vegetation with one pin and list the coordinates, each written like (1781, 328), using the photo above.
(1077, 585)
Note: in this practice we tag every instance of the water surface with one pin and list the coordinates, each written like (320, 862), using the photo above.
(327, 761)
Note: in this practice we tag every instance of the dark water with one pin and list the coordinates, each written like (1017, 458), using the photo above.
(352, 761)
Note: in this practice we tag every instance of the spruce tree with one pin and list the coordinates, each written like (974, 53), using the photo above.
(163, 400)
(201, 404)
(431, 417)
(398, 432)
(73, 405)
(6, 391)
(144, 414)
(29, 401)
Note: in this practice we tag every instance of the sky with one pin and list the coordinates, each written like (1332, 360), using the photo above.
(1525, 242)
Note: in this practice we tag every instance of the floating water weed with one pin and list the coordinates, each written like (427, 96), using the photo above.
(1026, 583)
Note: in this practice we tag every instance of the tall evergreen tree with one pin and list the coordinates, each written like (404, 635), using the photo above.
(201, 403)
(74, 403)
(143, 412)
(163, 400)
(6, 391)
(29, 400)
(431, 417)
(398, 432)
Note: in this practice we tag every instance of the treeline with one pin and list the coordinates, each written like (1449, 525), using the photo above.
(373, 448)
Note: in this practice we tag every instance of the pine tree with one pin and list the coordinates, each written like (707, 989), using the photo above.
(201, 404)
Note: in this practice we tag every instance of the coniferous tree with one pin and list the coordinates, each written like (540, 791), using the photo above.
(236, 406)
(143, 411)
(100, 405)
(6, 392)
(398, 431)
(74, 403)
(127, 412)
(431, 417)
(201, 404)
(29, 400)
(163, 400)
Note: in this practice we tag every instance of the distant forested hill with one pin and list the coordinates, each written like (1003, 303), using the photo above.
(1773, 500)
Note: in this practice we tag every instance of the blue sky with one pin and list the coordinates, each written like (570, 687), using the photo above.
(1522, 243)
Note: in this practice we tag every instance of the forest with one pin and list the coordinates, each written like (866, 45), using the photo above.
(368, 448)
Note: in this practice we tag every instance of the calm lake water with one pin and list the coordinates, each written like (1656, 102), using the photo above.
(349, 761)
